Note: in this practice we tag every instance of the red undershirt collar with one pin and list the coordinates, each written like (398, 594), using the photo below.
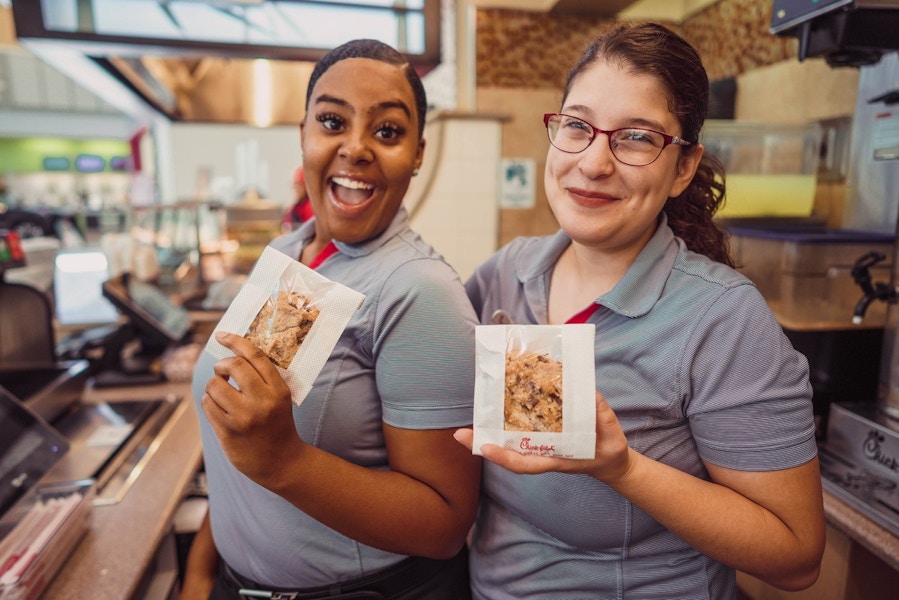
(328, 251)
(582, 316)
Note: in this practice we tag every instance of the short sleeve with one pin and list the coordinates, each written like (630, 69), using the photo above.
(750, 398)
(424, 348)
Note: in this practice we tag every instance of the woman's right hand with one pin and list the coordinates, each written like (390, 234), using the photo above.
(611, 461)
(768, 524)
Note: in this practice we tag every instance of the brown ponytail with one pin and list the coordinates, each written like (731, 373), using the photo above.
(690, 215)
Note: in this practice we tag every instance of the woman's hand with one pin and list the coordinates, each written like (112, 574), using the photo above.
(254, 420)
(423, 505)
(611, 462)
(769, 524)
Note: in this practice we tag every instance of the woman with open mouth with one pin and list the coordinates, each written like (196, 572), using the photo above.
(361, 490)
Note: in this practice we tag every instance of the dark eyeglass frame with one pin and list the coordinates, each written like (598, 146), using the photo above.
(668, 139)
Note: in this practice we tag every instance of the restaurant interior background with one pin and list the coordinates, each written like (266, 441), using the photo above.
(190, 157)
(501, 68)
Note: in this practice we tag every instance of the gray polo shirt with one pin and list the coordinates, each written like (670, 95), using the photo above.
(696, 367)
(406, 358)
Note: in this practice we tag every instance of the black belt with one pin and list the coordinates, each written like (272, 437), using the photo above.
(386, 583)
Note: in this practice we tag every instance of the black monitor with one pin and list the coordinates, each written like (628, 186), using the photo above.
(151, 318)
(29, 448)
(155, 318)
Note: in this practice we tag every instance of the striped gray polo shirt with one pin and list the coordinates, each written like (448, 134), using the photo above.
(406, 358)
(696, 367)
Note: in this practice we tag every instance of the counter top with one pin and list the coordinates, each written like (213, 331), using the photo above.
(118, 549)
(878, 540)
(117, 552)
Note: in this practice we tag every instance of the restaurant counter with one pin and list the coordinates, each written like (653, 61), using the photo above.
(861, 561)
(862, 530)
(130, 540)
(118, 556)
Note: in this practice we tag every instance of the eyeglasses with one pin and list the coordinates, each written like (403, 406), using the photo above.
(630, 145)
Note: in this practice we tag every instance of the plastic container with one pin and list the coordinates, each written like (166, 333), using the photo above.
(771, 170)
(40, 523)
(53, 543)
(806, 275)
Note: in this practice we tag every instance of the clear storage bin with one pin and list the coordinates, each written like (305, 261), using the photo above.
(771, 170)
(806, 275)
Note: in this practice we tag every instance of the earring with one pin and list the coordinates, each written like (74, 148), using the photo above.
(414, 172)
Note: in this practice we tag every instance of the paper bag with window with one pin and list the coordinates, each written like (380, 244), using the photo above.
(293, 314)
(535, 389)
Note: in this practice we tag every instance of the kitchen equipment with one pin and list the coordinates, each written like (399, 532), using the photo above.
(874, 198)
(860, 462)
(860, 453)
(845, 32)
(805, 273)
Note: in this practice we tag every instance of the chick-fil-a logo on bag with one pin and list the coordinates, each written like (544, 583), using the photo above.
(536, 449)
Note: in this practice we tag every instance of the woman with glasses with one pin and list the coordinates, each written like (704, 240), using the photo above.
(706, 459)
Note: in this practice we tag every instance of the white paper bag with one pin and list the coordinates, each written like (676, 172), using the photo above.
(535, 389)
(328, 305)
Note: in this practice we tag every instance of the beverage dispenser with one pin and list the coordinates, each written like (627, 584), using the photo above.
(860, 453)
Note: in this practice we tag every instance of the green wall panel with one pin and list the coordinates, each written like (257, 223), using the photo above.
(26, 155)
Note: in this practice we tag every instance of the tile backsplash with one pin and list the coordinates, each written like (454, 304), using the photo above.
(535, 50)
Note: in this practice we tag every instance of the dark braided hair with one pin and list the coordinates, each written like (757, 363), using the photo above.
(375, 50)
(650, 49)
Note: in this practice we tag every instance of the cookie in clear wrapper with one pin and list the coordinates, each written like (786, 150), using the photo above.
(533, 398)
(281, 326)
(293, 314)
(535, 389)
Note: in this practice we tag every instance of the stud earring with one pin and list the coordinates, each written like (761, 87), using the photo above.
(414, 172)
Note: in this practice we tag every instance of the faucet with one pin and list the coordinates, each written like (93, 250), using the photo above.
(861, 274)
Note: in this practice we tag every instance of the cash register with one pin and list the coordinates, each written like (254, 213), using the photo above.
(152, 324)
(99, 435)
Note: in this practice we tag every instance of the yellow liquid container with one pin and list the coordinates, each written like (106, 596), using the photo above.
(768, 195)
(771, 170)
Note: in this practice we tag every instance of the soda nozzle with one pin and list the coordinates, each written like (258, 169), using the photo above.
(861, 274)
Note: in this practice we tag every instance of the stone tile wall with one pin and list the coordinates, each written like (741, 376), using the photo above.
(534, 50)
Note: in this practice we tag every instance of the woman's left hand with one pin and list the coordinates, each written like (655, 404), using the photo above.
(611, 461)
(254, 420)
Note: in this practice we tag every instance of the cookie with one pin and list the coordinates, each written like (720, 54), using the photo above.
(533, 393)
(281, 326)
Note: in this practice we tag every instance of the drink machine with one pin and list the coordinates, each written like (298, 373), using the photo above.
(860, 453)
